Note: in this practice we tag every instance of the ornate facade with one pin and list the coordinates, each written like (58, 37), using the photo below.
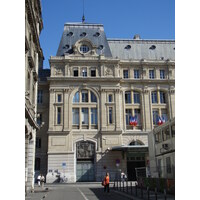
(95, 85)
(33, 58)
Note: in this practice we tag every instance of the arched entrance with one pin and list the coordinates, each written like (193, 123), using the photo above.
(85, 156)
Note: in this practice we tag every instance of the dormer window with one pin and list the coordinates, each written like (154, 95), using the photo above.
(84, 48)
(83, 34)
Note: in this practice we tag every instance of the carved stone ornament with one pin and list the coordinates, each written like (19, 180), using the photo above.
(58, 71)
(108, 71)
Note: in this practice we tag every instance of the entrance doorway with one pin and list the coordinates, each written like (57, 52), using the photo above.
(134, 161)
(85, 155)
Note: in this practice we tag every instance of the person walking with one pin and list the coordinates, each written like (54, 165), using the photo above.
(42, 179)
(106, 183)
(38, 179)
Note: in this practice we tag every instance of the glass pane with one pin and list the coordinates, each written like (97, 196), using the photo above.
(75, 113)
(84, 115)
(127, 97)
(136, 96)
(76, 97)
(84, 96)
(93, 97)
(94, 116)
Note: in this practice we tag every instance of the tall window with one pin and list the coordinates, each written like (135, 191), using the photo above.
(154, 98)
(128, 115)
(128, 97)
(84, 96)
(168, 163)
(94, 116)
(162, 97)
(151, 74)
(38, 142)
(162, 74)
(155, 116)
(110, 115)
(39, 119)
(58, 115)
(59, 98)
(84, 72)
(40, 96)
(75, 113)
(93, 72)
(110, 98)
(136, 97)
(76, 97)
(84, 115)
(125, 73)
(138, 116)
(93, 97)
(75, 71)
(136, 73)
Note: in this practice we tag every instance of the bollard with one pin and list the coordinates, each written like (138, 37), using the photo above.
(136, 190)
(148, 193)
(131, 188)
(123, 186)
(165, 194)
(127, 186)
(156, 193)
(141, 191)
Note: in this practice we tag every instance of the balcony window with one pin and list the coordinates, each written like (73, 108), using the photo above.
(162, 74)
(151, 74)
(136, 74)
(154, 98)
(136, 96)
(127, 97)
(125, 73)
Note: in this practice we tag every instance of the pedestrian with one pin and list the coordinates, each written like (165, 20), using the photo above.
(42, 179)
(106, 183)
(38, 179)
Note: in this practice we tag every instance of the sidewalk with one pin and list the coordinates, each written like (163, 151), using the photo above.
(38, 194)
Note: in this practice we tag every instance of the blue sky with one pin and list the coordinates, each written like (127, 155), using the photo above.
(152, 19)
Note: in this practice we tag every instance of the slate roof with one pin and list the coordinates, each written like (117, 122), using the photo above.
(142, 49)
(74, 32)
(125, 49)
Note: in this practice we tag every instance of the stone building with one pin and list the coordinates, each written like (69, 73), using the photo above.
(95, 85)
(162, 150)
(33, 58)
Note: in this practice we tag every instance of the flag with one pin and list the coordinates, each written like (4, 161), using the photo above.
(160, 121)
(133, 120)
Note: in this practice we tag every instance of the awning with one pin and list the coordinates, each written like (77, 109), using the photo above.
(131, 148)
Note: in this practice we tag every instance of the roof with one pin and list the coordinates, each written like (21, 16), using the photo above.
(74, 32)
(142, 49)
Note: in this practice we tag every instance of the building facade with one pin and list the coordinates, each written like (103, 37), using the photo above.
(33, 58)
(95, 85)
(162, 150)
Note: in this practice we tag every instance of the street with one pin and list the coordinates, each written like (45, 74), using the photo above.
(74, 192)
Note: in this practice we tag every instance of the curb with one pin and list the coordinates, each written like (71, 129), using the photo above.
(126, 195)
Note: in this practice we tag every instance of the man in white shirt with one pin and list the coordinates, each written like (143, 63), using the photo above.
(38, 179)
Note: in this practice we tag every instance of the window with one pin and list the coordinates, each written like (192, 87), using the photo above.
(37, 163)
(151, 74)
(93, 72)
(84, 49)
(136, 74)
(155, 116)
(136, 96)
(168, 163)
(128, 115)
(76, 97)
(127, 97)
(84, 115)
(137, 114)
(162, 97)
(40, 95)
(154, 98)
(75, 113)
(164, 115)
(94, 116)
(58, 115)
(38, 142)
(75, 72)
(110, 98)
(84, 72)
(84, 96)
(39, 119)
(125, 72)
(59, 98)
(162, 74)
(110, 115)
(93, 97)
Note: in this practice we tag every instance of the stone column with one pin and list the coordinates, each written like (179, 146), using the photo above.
(147, 111)
(103, 110)
(66, 109)
(51, 108)
(143, 119)
(117, 110)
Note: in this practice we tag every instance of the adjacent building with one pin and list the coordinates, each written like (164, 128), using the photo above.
(33, 58)
(162, 150)
(94, 86)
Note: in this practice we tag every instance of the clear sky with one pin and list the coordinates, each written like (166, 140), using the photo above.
(152, 19)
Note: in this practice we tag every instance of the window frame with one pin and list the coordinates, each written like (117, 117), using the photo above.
(151, 74)
(136, 75)
(124, 75)
(162, 74)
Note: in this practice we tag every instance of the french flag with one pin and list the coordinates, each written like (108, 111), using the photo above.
(160, 121)
(133, 120)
